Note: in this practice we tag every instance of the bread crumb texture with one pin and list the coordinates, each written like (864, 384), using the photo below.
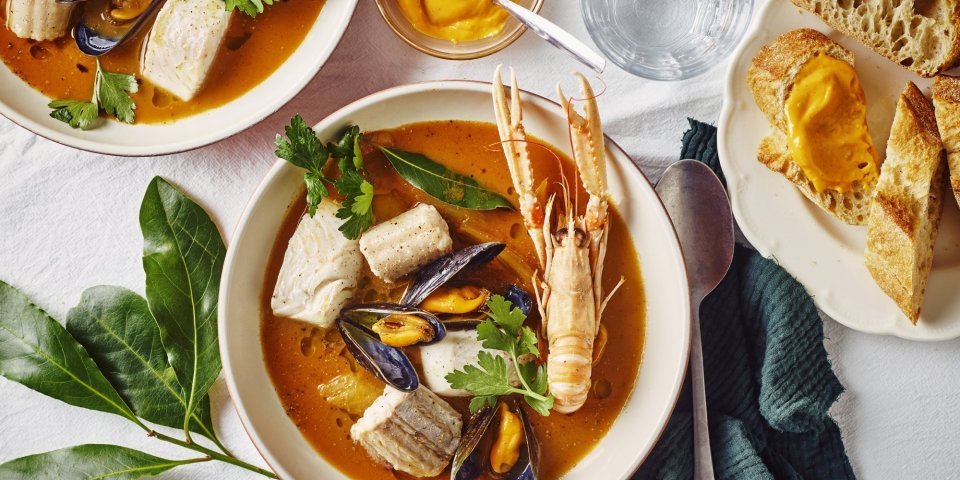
(920, 35)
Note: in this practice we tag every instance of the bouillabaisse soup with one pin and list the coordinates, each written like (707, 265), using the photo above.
(249, 51)
(303, 359)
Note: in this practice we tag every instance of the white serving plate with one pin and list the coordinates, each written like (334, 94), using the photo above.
(666, 347)
(824, 254)
(28, 108)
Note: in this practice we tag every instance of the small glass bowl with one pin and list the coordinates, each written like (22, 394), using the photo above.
(390, 10)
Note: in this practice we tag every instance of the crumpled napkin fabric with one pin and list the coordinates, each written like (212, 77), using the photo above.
(769, 384)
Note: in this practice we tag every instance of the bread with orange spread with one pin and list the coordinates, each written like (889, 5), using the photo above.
(946, 102)
(905, 215)
(775, 70)
(920, 35)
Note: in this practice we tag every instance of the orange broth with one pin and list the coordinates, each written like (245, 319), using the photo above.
(299, 356)
(252, 49)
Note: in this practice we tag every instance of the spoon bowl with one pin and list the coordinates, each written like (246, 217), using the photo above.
(698, 206)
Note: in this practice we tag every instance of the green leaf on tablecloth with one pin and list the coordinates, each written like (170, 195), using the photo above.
(117, 329)
(38, 353)
(89, 462)
(183, 257)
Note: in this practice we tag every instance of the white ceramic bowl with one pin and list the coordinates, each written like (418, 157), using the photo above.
(27, 107)
(664, 362)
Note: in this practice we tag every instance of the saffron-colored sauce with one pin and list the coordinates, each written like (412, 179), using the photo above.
(252, 50)
(299, 356)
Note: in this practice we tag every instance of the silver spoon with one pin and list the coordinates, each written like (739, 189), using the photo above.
(698, 205)
(555, 35)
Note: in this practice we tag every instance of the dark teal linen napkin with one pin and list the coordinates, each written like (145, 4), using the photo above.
(769, 384)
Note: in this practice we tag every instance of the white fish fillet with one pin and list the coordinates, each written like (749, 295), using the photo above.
(182, 44)
(457, 350)
(406, 242)
(38, 19)
(414, 432)
(320, 269)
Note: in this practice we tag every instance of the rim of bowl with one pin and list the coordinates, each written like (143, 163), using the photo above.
(496, 47)
(93, 146)
(675, 389)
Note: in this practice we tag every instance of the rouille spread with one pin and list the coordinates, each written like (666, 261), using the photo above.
(455, 20)
(827, 125)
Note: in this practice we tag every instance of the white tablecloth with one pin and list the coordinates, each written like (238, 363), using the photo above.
(68, 221)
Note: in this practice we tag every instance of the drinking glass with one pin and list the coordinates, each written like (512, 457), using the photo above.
(666, 39)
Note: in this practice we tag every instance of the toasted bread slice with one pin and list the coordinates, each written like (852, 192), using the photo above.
(946, 102)
(771, 77)
(905, 215)
(921, 35)
(852, 208)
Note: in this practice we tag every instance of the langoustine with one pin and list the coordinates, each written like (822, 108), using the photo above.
(570, 297)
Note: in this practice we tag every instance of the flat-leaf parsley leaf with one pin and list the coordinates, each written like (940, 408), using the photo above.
(111, 93)
(250, 7)
(76, 113)
(503, 330)
(302, 148)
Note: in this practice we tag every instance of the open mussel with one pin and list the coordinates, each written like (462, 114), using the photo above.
(516, 295)
(482, 451)
(105, 24)
(387, 363)
(438, 272)
(398, 325)
(375, 332)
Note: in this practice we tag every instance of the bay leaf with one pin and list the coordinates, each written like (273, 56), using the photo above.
(116, 327)
(38, 353)
(183, 257)
(442, 183)
(88, 462)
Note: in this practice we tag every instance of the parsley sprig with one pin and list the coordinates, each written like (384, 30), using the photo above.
(302, 148)
(111, 93)
(504, 330)
(250, 7)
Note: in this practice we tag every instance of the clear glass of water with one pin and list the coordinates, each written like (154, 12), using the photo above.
(666, 39)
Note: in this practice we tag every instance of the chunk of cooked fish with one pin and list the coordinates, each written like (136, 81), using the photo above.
(458, 349)
(406, 242)
(182, 44)
(414, 432)
(38, 19)
(320, 269)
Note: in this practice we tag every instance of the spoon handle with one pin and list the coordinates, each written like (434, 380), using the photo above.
(702, 458)
(555, 35)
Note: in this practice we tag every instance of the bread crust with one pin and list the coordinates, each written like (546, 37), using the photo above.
(905, 216)
(946, 102)
(916, 65)
(770, 78)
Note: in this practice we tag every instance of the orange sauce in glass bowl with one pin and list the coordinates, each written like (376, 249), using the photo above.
(252, 50)
(299, 356)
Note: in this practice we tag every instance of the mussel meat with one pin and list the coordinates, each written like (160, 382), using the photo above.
(105, 24)
(473, 456)
(438, 272)
(387, 363)
(398, 319)
(456, 300)
(516, 295)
